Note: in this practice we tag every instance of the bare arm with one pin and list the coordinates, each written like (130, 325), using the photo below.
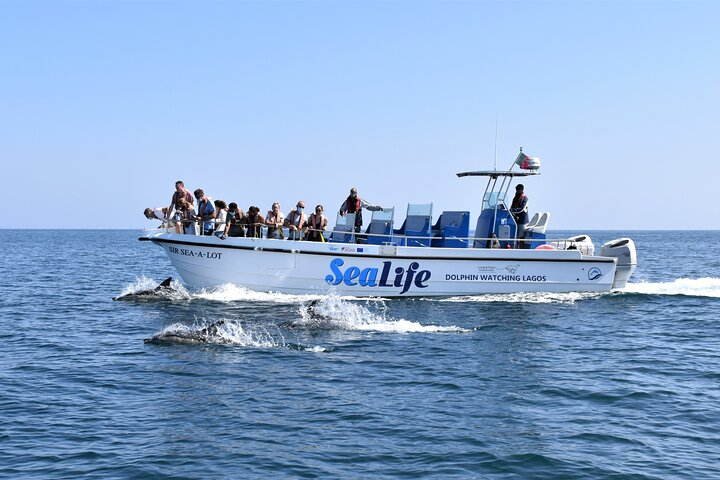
(171, 207)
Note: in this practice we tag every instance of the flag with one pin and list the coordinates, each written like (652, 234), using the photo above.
(522, 160)
(527, 163)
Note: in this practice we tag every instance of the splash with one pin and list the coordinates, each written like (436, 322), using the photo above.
(317, 349)
(226, 332)
(562, 298)
(332, 312)
(143, 283)
(696, 287)
(233, 293)
(229, 332)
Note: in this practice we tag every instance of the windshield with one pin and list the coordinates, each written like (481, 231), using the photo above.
(492, 199)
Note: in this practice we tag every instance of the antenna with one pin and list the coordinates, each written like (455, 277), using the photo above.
(497, 120)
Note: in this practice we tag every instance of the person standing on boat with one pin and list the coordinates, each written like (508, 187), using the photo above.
(317, 223)
(254, 222)
(296, 221)
(274, 221)
(234, 221)
(220, 218)
(180, 192)
(354, 204)
(159, 214)
(185, 218)
(205, 212)
(519, 211)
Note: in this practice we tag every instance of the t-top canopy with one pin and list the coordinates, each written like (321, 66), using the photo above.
(496, 174)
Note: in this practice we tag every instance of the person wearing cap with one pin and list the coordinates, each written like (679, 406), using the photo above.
(519, 211)
(354, 204)
(296, 222)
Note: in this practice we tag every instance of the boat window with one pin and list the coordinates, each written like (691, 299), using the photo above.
(492, 199)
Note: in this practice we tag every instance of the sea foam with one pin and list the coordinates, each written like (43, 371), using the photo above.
(696, 287)
(333, 312)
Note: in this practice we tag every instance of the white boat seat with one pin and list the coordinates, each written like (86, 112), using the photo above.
(533, 221)
(541, 224)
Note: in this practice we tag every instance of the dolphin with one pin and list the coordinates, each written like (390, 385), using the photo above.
(312, 313)
(163, 288)
(312, 317)
(201, 336)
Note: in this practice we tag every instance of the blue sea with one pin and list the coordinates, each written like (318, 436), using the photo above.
(622, 385)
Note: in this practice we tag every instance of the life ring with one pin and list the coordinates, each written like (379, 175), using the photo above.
(545, 247)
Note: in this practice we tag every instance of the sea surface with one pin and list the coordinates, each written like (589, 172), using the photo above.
(617, 385)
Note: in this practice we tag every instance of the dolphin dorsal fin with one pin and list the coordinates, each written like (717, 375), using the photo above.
(166, 283)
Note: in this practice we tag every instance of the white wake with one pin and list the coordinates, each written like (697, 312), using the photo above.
(696, 287)
(332, 312)
(229, 332)
(176, 292)
(570, 297)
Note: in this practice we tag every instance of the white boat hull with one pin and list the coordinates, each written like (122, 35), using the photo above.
(379, 271)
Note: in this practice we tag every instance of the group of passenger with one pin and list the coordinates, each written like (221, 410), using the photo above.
(195, 214)
(228, 220)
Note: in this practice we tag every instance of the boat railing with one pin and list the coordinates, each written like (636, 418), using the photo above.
(394, 239)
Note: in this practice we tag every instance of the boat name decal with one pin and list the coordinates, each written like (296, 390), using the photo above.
(199, 254)
(462, 277)
(368, 277)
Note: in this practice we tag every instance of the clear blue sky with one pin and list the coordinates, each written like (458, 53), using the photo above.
(103, 105)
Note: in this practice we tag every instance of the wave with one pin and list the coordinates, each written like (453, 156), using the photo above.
(143, 283)
(570, 297)
(696, 287)
(338, 307)
(233, 293)
(348, 316)
(227, 332)
(333, 312)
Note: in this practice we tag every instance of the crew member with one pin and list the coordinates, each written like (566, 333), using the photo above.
(519, 211)
(354, 204)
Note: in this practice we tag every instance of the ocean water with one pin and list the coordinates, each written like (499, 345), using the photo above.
(617, 385)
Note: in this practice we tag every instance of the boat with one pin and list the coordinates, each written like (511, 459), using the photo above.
(419, 259)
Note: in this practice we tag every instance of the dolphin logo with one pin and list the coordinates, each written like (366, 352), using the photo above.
(594, 273)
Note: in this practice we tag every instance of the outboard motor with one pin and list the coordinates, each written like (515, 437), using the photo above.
(623, 249)
(581, 242)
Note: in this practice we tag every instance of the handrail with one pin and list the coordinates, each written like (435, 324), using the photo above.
(562, 243)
